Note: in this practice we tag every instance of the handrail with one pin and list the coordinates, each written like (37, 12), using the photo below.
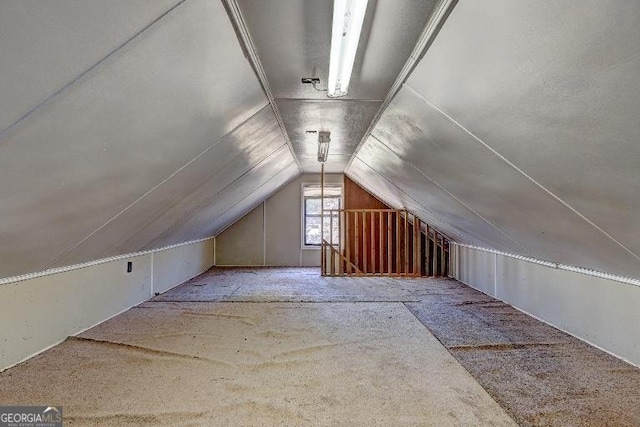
(388, 242)
(341, 256)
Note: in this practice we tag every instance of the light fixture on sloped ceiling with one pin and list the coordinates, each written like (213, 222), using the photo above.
(324, 138)
(348, 17)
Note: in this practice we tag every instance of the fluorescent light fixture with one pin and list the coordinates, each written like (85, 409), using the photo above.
(324, 138)
(348, 16)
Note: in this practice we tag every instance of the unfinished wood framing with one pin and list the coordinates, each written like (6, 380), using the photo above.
(389, 243)
(381, 243)
(364, 240)
(369, 237)
(434, 271)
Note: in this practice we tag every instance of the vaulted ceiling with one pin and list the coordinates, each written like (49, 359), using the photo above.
(133, 124)
(126, 125)
(293, 40)
(518, 130)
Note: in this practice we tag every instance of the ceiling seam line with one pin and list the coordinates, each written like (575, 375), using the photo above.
(457, 199)
(244, 38)
(440, 13)
(256, 189)
(458, 230)
(435, 216)
(139, 199)
(58, 92)
(180, 200)
(523, 173)
(194, 211)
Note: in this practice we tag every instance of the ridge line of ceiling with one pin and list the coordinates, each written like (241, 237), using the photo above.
(251, 53)
(58, 92)
(520, 171)
(440, 13)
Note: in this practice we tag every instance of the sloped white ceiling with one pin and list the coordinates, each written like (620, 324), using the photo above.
(122, 122)
(238, 199)
(133, 124)
(255, 150)
(519, 127)
(379, 168)
(46, 44)
(347, 121)
(293, 40)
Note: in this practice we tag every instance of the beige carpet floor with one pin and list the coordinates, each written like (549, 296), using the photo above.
(256, 364)
(272, 347)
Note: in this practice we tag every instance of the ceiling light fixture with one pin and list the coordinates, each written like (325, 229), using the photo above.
(324, 138)
(348, 17)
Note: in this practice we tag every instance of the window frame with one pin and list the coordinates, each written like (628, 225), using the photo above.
(303, 212)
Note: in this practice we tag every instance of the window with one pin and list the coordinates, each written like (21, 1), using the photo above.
(312, 214)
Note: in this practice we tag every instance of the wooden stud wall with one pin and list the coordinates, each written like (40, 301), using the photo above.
(377, 240)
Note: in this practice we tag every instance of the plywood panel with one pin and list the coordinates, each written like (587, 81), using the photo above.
(597, 310)
(356, 197)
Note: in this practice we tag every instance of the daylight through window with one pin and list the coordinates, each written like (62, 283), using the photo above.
(312, 214)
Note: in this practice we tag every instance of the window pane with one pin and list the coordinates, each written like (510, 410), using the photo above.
(312, 206)
(314, 229)
(314, 190)
(332, 203)
(312, 234)
(336, 229)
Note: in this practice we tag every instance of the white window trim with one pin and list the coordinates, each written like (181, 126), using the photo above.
(339, 184)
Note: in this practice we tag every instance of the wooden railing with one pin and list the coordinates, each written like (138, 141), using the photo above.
(436, 253)
(385, 242)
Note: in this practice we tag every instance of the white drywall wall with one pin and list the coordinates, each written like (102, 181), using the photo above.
(600, 311)
(477, 270)
(271, 234)
(176, 265)
(243, 243)
(38, 313)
